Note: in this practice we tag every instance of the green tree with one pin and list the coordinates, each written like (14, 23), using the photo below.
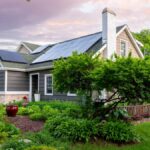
(127, 79)
(144, 37)
(74, 74)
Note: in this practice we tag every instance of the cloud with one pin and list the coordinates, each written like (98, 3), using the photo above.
(49, 21)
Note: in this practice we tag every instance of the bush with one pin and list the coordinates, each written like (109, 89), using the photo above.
(119, 114)
(118, 131)
(15, 145)
(72, 129)
(38, 116)
(41, 148)
(44, 138)
(60, 105)
(29, 110)
(9, 129)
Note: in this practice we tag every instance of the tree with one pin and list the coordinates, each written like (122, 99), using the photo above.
(144, 37)
(127, 79)
(74, 74)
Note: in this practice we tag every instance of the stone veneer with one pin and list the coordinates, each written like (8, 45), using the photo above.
(10, 97)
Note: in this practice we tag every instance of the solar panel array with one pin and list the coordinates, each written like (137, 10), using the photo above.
(40, 49)
(11, 56)
(65, 49)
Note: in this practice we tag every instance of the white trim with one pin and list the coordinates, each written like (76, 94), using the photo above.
(24, 70)
(99, 51)
(139, 43)
(6, 80)
(45, 84)
(15, 92)
(30, 84)
(127, 47)
(23, 44)
(71, 94)
(118, 33)
(1, 65)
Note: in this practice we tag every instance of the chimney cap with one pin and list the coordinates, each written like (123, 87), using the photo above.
(108, 10)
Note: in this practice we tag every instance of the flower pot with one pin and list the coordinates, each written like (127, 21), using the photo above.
(37, 97)
(11, 110)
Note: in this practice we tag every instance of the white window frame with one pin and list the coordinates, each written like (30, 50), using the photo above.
(71, 94)
(126, 43)
(45, 84)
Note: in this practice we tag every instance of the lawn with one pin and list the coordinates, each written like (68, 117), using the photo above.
(142, 129)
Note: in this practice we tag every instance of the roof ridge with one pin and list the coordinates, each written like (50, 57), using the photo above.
(77, 38)
(85, 35)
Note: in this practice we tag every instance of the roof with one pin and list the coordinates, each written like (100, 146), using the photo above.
(43, 56)
(10, 56)
(31, 46)
(65, 49)
(40, 49)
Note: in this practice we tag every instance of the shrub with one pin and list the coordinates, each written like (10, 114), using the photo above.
(8, 129)
(119, 114)
(72, 129)
(15, 145)
(44, 138)
(118, 131)
(18, 103)
(38, 116)
(29, 110)
(41, 148)
(23, 111)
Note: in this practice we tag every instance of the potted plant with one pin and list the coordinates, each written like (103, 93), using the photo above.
(37, 96)
(11, 110)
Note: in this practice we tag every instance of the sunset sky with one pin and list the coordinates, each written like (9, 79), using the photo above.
(50, 21)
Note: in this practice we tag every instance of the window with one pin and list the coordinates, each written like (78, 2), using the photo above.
(123, 48)
(48, 84)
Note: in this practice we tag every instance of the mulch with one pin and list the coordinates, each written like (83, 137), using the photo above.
(25, 124)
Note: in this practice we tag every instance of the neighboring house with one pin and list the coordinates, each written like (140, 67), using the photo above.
(24, 72)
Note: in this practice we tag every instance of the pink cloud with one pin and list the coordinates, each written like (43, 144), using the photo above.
(49, 21)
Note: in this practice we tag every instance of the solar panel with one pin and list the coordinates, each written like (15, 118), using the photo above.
(40, 49)
(65, 49)
(11, 56)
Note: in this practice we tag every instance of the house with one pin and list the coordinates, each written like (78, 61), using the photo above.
(26, 47)
(26, 71)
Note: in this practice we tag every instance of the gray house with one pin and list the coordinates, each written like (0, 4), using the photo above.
(25, 72)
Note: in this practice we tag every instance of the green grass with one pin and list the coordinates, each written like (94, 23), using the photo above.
(143, 130)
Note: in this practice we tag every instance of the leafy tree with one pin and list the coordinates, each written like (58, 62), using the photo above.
(144, 37)
(127, 79)
(74, 74)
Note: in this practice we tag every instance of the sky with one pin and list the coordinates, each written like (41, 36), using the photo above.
(51, 21)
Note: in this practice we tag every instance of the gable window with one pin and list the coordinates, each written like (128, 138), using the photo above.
(48, 84)
(123, 48)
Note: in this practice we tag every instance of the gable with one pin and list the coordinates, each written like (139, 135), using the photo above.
(23, 49)
(124, 36)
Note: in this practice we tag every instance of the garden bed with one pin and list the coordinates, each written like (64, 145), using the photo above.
(25, 124)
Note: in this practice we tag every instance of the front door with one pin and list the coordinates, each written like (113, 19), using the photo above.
(34, 85)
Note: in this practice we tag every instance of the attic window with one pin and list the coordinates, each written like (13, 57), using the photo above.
(123, 48)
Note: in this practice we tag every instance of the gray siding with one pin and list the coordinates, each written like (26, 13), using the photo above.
(56, 95)
(17, 81)
(2, 80)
